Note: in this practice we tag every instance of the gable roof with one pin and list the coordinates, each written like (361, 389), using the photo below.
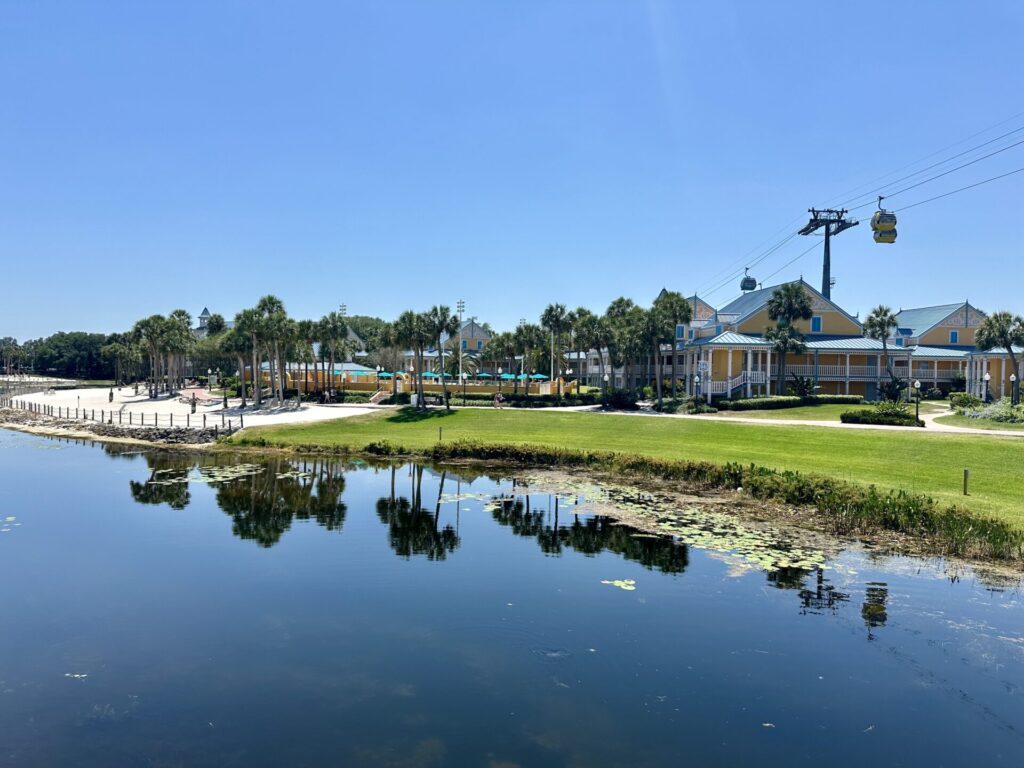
(914, 322)
(205, 312)
(751, 303)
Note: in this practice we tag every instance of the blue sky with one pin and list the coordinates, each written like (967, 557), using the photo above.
(395, 155)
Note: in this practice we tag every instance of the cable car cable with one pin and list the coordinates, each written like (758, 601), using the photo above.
(961, 189)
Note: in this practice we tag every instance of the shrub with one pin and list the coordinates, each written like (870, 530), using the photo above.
(787, 401)
(887, 415)
(957, 382)
(962, 401)
(622, 400)
(893, 389)
(802, 387)
(1001, 411)
(933, 394)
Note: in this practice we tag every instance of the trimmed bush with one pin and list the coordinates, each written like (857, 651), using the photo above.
(962, 401)
(786, 401)
(874, 416)
(1001, 411)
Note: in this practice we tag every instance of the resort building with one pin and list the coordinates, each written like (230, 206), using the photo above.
(723, 352)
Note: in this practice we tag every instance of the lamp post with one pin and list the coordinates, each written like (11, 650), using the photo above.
(1013, 389)
(464, 376)
(917, 400)
(224, 391)
(559, 386)
(379, 369)
(988, 378)
(696, 384)
(461, 306)
(606, 390)
(209, 381)
(568, 372)
(499, 379)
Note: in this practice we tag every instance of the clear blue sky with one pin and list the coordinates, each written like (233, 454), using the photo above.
(394, 155)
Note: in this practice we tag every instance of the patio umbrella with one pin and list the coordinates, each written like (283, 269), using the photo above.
(538, 376)
(384, 375)
(484, 376)
(429, 375)
(507, 376)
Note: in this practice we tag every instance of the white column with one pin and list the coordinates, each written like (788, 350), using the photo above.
(847, 373)
(711, 372)
(728, 373)
(750, 368)
(1002, 378)
(768, 371)
(935, 373)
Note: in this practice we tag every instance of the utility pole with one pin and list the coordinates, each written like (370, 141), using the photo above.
(834, 222)
(462, 308)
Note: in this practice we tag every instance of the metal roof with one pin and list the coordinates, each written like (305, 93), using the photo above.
(858, 343)
(730, 339)
(751, 303)
(940, 352)
(922, 319)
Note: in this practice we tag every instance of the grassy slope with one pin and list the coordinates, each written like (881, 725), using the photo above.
(917, 461)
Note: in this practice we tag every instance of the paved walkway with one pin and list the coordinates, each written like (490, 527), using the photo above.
(125, 400)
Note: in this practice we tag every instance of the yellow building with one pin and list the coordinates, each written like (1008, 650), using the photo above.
(723, 353)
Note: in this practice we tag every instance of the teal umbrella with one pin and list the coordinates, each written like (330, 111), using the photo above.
(538, 376)
(429, 375)
(484, 376)
(384, 375)
(507, 376)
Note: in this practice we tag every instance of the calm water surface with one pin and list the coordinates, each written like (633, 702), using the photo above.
(168, 610)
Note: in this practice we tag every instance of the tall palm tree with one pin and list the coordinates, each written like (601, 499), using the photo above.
(150, 334)
(554, 319)
(235, 342)
(178, 342)
(676, 311)
(787, 304)
(583, 321)
(881, 325)
(443, 325)
(625, 321)
(1006, 330)
(305, 335)
(272, 312)
(332, 331)
(248, 323)
(529, 339)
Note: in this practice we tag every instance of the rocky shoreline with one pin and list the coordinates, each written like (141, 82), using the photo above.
(26, 421)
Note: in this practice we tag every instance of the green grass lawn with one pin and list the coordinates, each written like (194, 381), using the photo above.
(956, 420)
(916, 461)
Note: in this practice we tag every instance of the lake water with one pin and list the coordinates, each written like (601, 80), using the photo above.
(172, 610)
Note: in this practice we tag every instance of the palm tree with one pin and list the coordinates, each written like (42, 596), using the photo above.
(554, 319)
(677, 311)
(413, 331)
(235, 342)
(626, 337)
(332, 330)
(305, 335)
(1006, 330)
(150, 333)
(582, 324)
(881, 325)
(787, 304)
(529, 340)
(178, 342)
(247, 323)
(275, 324)
(442, 325)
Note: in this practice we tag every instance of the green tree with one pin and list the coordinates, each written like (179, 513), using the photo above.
(554, 319)
(676, 311)
(881, 325)
(442, 324)
(1003, 330)
(787, 304)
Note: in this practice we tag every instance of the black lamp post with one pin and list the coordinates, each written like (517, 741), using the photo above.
(1014, 398)
(917, 400)
(988, 378)
(606, 390)
(499, 379)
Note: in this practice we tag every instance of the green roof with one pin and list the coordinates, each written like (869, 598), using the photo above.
(848, 343)
(918, 321)
(940, 351)
(730, 339)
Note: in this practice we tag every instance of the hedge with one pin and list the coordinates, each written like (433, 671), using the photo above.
(868, 416)
(786, 401)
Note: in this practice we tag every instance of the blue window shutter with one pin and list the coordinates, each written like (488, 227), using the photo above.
(479, 344)
(954, 337)
(816, 324)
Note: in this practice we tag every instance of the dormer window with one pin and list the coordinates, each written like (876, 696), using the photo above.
(816, 324)
(954, 337)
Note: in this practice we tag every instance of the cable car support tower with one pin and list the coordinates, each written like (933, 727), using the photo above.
(834, 221)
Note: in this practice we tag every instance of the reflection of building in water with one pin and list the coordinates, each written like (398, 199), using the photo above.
(823, 596)
(873, 610)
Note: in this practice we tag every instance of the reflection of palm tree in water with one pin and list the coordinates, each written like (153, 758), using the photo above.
(412, 530)
(262, 506)
(590, 536)
(167, 481)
